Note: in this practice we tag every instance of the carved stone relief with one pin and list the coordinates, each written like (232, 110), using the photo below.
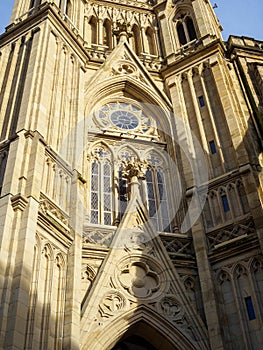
(112, 303)
(139, 279)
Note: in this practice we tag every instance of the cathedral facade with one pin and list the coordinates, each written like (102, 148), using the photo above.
(130, 178)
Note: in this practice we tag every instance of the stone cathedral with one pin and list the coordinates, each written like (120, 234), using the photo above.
(131, 142)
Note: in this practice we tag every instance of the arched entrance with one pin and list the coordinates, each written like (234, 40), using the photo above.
(133, 342)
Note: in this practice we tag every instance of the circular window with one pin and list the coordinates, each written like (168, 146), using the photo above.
(124, 120)
(124, 116)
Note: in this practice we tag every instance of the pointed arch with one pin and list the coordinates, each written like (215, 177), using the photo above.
(131, 151)
(148, 324)
(134, 89)
(184, 22)
(87, 276)
(239, 270)
(101, 184)
(91, 152)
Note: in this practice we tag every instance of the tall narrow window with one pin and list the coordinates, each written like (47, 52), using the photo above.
(150, 41)
(201, 101)
(136, 39)
(163, 201)
(101, 193)
(157, 199)
(123, 193)
(93, 30)
(94, 216)
(107, 34)
(181, 34)
(212, 146)
(190, 29)
(225, 203)
(250, 308)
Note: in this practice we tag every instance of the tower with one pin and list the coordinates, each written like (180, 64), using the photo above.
(130, 179)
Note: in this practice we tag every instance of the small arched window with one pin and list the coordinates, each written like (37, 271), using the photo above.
(136, 39)
(107, 33)
(93, 33)
(151, 47)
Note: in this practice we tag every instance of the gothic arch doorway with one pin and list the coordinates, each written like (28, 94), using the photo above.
(133, 342)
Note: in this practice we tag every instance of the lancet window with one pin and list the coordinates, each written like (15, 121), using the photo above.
(93, 31)
(186, 30)
(150, 44)
(101, 188)
(157, 194)
(136, 39)
(107, 33)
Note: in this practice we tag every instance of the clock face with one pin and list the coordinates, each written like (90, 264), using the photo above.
(124, 120)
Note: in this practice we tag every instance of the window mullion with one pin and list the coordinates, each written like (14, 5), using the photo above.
(101, 194)
(157, 199)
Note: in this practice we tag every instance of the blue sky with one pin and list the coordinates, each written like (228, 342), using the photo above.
(238, 17)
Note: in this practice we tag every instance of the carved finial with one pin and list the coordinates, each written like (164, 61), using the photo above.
(122, 31)
(134, 168)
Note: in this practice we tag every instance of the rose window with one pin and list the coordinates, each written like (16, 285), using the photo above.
(123, 116)
(139, 280)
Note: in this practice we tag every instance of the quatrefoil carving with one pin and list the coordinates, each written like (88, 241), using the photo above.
(139, 280)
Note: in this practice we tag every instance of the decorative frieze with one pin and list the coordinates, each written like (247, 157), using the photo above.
(178, 246)
(230, 234)
(99, 236)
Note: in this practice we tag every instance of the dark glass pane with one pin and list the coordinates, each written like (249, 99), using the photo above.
(181, 34)
(123, 197)
(250, 308)
(191, 29)
(201, 101)
(107, 218)
(212, 147)
(94, 217)
(225, 203)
